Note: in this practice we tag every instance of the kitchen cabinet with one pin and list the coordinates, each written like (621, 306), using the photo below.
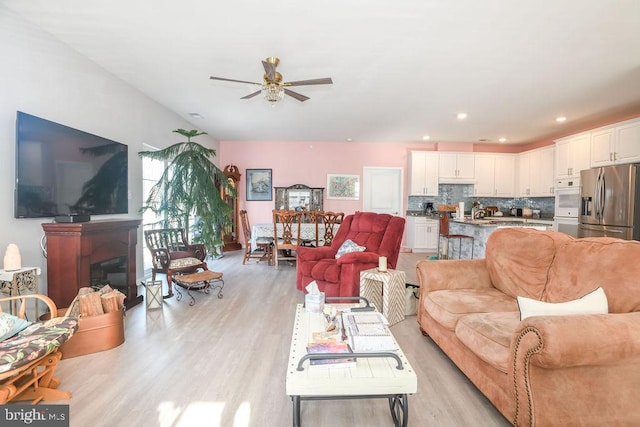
(535, 173)
(505, 175)
(524, 181)
(541, 172)
(423, 173)
(495, 175)
(422, 234)
(572, 156)
(617, 144)
(456, 167)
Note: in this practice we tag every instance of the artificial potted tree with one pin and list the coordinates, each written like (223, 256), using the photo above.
(187, 195)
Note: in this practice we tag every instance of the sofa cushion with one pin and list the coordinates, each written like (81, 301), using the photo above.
(448, 306)
(518, 260)
(11, 325)
(489, 335)
(35, 341)
(327, 270)
(592, 303)
(582, 265)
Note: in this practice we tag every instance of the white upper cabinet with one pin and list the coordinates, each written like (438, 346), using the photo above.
(627, 147)
(457, 167)
(485, 175)
(541, 172)
(616, 144)
(423, 173)
(602, 147)
(572, 156)
(523, 181)
(505, 175)
(535, 173)
(495, 175)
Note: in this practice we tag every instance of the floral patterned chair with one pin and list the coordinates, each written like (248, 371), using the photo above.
(29, 352)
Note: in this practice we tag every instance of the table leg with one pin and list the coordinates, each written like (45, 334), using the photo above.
(296, 410)
(399, 406)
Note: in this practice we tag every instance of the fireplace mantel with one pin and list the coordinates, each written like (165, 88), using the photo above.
(73, 247)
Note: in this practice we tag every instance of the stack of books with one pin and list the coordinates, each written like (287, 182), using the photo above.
(368, 332)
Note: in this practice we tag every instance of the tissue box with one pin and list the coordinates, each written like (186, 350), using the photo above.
(314, 303)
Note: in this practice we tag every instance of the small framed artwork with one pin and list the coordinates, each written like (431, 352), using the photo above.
(346, 187)
(259, 184)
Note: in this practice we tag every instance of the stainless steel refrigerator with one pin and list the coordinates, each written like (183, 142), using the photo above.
(610, 202)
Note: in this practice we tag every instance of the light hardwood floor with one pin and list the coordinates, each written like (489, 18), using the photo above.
(222, 362)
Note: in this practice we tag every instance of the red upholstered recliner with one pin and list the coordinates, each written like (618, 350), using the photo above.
(380, 234)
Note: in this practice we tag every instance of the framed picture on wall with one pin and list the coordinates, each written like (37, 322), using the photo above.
(259, 184)
(345, 187)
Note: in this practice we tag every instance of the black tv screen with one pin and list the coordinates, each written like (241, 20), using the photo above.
(65, 171)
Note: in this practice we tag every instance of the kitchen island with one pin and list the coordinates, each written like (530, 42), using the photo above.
(480, 229)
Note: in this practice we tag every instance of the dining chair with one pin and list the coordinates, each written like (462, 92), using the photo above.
(329, 219)
(286, 239)
(263, 251)
(310, 217)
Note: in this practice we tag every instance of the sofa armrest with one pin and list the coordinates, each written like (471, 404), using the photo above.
(452, 274)
(307, 253)
(359, 258)
(579, 340)
(578, 369)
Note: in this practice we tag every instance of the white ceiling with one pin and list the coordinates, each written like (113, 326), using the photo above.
(400, 69)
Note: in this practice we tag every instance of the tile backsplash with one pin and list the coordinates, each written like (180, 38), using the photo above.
(451, 194)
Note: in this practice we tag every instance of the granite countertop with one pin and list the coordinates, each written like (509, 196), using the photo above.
(501, 221)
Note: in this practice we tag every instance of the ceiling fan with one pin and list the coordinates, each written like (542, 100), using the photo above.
(273, 87)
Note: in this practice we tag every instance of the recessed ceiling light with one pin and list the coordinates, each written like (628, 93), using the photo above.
(426, 137)
(462, 116)
(502, 140)
(349, 139)
(196, 115)
(561, 119)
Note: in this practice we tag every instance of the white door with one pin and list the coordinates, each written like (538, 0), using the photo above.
(382, 190)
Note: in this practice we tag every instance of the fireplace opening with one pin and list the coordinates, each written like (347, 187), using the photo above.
(112, 272)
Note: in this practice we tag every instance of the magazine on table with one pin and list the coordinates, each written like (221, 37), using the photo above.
(330, 348)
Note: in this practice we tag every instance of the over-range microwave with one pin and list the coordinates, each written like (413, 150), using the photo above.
(567, 193)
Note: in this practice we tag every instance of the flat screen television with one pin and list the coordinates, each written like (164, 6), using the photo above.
(65, 171)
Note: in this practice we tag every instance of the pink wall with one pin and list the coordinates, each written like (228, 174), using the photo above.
(309, 164)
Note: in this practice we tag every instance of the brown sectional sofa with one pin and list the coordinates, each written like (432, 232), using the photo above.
(581, 369)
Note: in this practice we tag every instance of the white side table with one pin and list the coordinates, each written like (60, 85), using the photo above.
(16, 282)
(386, 290)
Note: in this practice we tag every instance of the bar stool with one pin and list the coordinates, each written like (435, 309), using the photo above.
(444, 234)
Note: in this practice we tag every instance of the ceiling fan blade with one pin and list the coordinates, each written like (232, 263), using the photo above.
(252, 94)
(296, 95)
(270, 70)
(324, 81)
(233, 80)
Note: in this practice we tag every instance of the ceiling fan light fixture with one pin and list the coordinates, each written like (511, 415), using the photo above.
(273, 92)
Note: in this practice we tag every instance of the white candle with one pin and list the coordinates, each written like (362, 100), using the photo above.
(382, 263)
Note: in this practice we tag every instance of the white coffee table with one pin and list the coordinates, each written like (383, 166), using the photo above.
(378, 375)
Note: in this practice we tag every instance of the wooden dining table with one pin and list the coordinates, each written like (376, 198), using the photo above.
(307, 231)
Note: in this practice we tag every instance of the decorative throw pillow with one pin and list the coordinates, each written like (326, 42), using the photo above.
(592, 303)
(11, 325)
(349, 246)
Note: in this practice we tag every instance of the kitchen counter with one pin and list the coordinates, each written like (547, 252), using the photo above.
(505, 221)
(480, 229)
